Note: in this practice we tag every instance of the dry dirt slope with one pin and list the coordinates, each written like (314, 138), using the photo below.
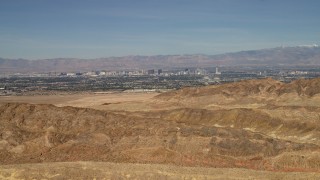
(270, 132)
(102, 170)
(285, 111)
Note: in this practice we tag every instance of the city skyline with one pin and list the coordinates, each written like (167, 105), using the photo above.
(92, 29)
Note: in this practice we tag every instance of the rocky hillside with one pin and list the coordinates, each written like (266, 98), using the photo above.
(246, 88)
(257, 124)
(45, 133)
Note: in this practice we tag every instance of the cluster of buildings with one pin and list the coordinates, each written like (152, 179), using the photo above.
(150, 72)
(144, 80)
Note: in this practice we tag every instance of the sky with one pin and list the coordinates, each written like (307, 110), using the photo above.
(41, 29)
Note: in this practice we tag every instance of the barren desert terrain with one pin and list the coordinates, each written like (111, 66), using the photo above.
(104, 170)
(251, 129)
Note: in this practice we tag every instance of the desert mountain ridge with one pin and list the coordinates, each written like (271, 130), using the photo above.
(280, 56)
(255, 87)
(254, 124)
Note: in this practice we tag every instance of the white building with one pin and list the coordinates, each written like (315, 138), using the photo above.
(217, 71)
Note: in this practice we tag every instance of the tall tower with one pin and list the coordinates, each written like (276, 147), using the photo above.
(217, 71)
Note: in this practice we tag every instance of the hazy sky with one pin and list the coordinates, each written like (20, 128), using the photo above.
(37, 29)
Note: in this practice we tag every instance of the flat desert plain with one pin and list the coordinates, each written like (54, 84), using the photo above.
(106, 101)
(102, 170)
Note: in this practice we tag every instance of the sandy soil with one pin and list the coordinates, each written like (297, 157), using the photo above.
(99, 170)
(112, 101)
(40, 99)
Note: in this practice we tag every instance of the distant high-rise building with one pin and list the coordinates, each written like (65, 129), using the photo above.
(151, 71)
(217, 71)
(159, 71)
(200, 71)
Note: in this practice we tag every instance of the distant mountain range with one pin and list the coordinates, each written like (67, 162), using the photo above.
(286, 56)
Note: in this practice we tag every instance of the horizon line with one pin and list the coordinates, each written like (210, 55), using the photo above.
(93, 58)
